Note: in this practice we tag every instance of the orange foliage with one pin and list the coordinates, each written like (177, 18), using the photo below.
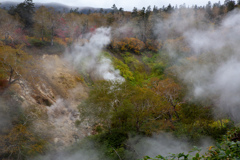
(166, 88)
(20, 141)
(128, 44)
(62, 41)
(153, 45)
(169, 91)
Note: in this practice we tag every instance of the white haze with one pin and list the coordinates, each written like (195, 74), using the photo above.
(217, 77)
(219, 80)
(87, 57)
(127, 5)
(87, 153)
(5, 120)
(163, 144)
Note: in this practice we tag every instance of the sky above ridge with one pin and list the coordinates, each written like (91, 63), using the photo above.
(127, 5)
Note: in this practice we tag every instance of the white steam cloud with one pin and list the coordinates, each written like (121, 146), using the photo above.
(62, 115)
(87, 57)
(81, 154)
(4, 116)
(163, 144)
(215, 73)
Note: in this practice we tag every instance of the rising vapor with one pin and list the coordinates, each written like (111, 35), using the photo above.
(88, 58)
(163, 144)
(214, 71)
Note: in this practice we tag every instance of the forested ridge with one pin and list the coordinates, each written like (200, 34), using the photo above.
(114, 84)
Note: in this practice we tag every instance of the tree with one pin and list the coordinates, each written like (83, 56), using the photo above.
(14, 63)
(110, 19)
(114, 9)
(134, 12)
(89, 12)
(216, 9)
(104, 100)
(52, 23)
(20, 143)
(170, 92)
(101, 10)
(8, 26)
(155, 10)
(128, 44)
(19, 140)
(74, 25)
(62, 29)
(169, 9)
(41, 21)
(25, 10)
(145, 104)
(121, 105)
(230, 5)
(121, 10)
(209, 10)
(142, 13)
(143, 21)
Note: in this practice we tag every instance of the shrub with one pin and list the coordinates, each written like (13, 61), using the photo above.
(153, 45)
(114, 139)
(128, 44)
(37, 43)
(124, 69)
(227, 149)
(159, 68)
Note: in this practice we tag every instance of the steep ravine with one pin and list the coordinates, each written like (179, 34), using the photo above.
(57, 90)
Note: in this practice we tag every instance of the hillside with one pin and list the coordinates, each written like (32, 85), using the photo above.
(119, 85)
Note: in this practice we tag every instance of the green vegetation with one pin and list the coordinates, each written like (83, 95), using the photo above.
(18, 139)
(124, 69)
(226, 149)
(156, 96)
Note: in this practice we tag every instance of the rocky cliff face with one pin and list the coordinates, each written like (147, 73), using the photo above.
(55, 90)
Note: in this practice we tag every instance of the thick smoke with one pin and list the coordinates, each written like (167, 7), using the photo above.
(88, 59)
(213, 72)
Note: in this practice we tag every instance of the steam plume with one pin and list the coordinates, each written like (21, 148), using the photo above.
(162, 144)
(88, 58)
(214, 74)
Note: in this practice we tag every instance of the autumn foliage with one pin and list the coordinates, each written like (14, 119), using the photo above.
(178, 45)
(135, 45)
(153, 45)
(153, 97)
(20, 141)
(128, 44)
